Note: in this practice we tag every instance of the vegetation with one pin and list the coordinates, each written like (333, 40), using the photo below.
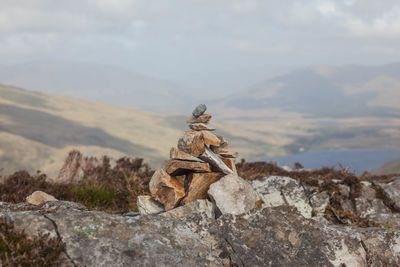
(106, 188)
(16, 249)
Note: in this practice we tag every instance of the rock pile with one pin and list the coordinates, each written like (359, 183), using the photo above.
(200, 160)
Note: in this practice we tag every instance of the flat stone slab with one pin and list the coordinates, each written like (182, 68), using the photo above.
(179, 167)
(179, 154)
(205, 118)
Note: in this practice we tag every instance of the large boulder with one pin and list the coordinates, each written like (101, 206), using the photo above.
(278, 236)
(232, 195)
(279, 191)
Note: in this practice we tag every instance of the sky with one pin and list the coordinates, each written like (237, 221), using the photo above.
(199, 41)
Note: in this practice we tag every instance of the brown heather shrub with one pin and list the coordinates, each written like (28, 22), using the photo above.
(111, 189)
(18, 250)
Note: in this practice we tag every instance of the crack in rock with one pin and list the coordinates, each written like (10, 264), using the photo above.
(59, 236)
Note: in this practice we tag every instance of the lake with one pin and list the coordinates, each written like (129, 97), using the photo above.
(358, 160)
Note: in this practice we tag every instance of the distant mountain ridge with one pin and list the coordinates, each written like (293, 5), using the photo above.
(323, 91)
(100, 83)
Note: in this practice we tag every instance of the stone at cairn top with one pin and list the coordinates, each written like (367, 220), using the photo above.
(199, 110)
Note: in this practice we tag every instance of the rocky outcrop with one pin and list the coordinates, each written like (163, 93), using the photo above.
(278, 236)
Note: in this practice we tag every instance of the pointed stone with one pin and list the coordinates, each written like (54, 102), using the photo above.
(199, 110)
(192, 142)
(178, 154)
(215, 161)
(230, 163)
(166, 189)
(200, 127)
(205, 118)
(210, 139)
(232, 195)
(226, 153)
(147, 205)
(197, 185)
(179, 167)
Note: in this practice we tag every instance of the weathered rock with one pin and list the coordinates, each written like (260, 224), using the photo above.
(232, 195)
(318, 202)
(197, 185)
(392, 192)
(210, 138)
(227, 153)
(205, 118)
(192, 142)
(178, 154)
(201, 127)
(38, 197)
(368, 204)
(230, 163)
(277, 191)
(147, 205)
(199, 110)
(282, 237)
(166, 189)
(278, 236)
(215, 161)
(179, 167)
(197, 206)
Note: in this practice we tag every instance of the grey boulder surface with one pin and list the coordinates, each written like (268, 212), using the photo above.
(199, 110)
(278, 236)
(279, 190)
(233, 195)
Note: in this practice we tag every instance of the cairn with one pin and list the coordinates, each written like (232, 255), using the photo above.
(199, 160)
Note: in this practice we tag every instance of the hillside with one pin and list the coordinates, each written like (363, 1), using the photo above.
(37, 130)
(389, 167)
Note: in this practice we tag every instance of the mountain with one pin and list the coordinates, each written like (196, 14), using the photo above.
(323, 91)
(388, 168)
(100, 83)
(318, 107)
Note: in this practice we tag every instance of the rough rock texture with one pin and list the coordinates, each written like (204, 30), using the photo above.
(210, 138)
(230, 163)
(166, 189)
(282, 237)
(215, 161)
(197, 185)
(197, 206)
(192, 142)
(179, 167)
(392, 191)
(278, 236)
(201, 127)
(232, 195)
(205, 118)
(38, 197)
(178, 154)
(147, 205)
(277, 191)
(227, 153)
(199, 110)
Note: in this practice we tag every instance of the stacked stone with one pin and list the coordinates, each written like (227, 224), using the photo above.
(200, 159)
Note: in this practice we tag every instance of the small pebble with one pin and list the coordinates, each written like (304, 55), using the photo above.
(199, 110)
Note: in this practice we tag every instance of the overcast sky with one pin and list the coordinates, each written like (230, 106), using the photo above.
(185, 40)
